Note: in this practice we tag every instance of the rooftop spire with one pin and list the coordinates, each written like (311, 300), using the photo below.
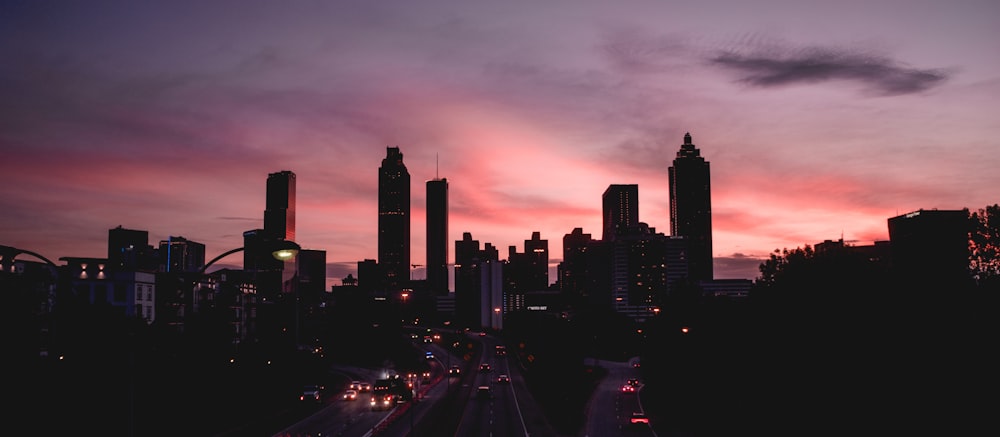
(687, 138)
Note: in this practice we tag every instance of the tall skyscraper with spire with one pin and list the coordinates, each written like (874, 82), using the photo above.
(393, 220)
(437, 236)
(691, 208)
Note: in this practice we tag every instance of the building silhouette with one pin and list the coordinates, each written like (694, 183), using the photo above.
(930, 249)
(272, 277)
(639, 261)
(631, 270)
(691, 208)
(311, 274)
(393, 221)
(525, 272)
(129, 250)
(178, 254)
(478, 282)
(620, 209)
(368, 276)
(279, 215)
(572, 271)
(437, 236)
(310, 293)
(491, 292)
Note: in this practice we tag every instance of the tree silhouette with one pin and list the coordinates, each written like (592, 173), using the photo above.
(985, 245)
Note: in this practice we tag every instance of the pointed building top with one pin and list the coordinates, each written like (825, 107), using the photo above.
(688, 149)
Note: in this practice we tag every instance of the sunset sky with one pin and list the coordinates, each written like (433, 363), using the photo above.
(820, 119)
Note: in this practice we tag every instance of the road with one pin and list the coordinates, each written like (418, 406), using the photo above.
(445, 405)
(610, 408)
(340, 417)
(497, 412)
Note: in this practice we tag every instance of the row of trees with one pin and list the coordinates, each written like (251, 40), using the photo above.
(832, 341)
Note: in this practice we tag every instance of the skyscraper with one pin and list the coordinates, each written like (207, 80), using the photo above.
(393, 220)
(691, 208)
(478, 282)
(620, 208)
(437, 236)
(279, 212)
(525, 272)
(271, 276)
(573, 268)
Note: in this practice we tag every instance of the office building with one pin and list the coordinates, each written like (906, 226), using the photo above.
(573, 274)
(639, 262)
(476, 270)
(525, 272)
(691, 208)
(620, 209)
(368, 276)
(393, 221)
(437, 236)
(279, 212)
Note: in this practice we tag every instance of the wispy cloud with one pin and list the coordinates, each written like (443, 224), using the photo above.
(764, 62)
(779, 66)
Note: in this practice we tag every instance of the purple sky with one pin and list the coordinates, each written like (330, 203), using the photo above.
(819, 119)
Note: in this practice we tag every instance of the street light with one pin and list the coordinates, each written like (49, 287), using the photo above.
(281, 250)
(285, 250)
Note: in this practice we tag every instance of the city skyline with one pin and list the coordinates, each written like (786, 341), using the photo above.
(820, 121)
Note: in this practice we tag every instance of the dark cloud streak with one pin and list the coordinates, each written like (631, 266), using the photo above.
(779, 67)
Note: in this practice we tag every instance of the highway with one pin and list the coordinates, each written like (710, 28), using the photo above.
(497, 411)
(610, 408)
(450, 405)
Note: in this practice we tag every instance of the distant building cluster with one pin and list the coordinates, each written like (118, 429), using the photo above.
(631, 269)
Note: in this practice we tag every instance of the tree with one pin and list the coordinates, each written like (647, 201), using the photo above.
(985, 244)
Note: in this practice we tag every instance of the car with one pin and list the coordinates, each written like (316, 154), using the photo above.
(636, 364)
(503, 379)
(634, 382)
(365, 387)
(429, 355)
(426, 376)
(484, 392)
(382, 402)
(485, 367)
(311, 393)
(638, 417)
(350, 395)
(628, 388)
(354, 385)
(454, 370)
(482, 333)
